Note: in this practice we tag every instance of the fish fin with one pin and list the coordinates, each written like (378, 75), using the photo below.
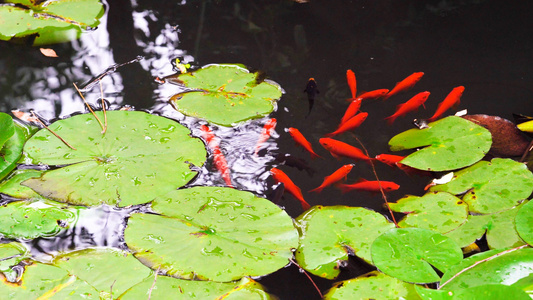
(361, 180)
(424, 105)
(344, 188)
(335, 155)
(391, 119)
(305, 205)
(330, 134)
(317, 190)
(315, 156)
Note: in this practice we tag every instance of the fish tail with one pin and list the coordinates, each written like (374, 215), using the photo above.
(317, 190)
(344, 188)
(391, 119)
(315, 156)
(334, 133)
(305, 205)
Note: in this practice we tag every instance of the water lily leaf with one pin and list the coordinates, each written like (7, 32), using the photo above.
(49, 21)
(524, 222)
(12, 187)
(328, 234)
(11, 152)
(212, 233)
(225, 94)
(42, 281)
(32, 219)
(94, 266)
(440, 212)
(491, 186)
(373, 285)
(10, 255)
(482, 292)
(7, 129)
(409, 254)
(164, 286)
(452, 143)
(118, 167)
(507, 268)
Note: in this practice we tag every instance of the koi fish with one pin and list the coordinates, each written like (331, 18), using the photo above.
(375, 94)
(369, 186)
(341, 173)
(352, 110)
(453, 98)
(312, 90)
(218, 157)
(338, 149)
(410, 105)
(352, 83)
(280, 176)
(265, 134)
(298, 137)
(294, 162)
(389, 159)
(352, 123)
(405, 84)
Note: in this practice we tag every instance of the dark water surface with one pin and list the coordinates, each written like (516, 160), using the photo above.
(485, 46)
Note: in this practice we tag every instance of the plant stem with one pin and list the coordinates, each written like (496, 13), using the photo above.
(309, 277)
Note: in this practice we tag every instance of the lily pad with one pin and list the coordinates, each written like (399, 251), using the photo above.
(524, 222)
(482, 292)
(491, 186)
(10, 255)
(452, 143)
(163, 286)
(7, 129)
(138, 158)
(409, 254)
(12, 187)
(440, 212)
(11, 152)
(373, 285)
(225, 94)
(212, 233)
(328, 234)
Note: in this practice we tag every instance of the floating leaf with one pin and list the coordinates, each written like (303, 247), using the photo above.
(225, 94)
(524, 222)
(7, 129)
(10, 255)
(440, 212)
(409, 254)
(329, 233)
(212, 233)
(139, 157)
(491, 186)
(11, 151)
(163, 286)
(482, 292)
(373, 285)
(12, 187)
(452, 143)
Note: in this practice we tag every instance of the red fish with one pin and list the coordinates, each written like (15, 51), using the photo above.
(218, 157)
(410, 105)
(453, 98)
(280, 176)
(338, 149)
(405, 84)
(341, 173)
(352, 123)
(375, 94)
(352, 109)
(389, 159)
(369, 186)
(265, 134)
(352, 83)
(298, 137)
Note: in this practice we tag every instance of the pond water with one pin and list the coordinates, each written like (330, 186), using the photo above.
(485, 46)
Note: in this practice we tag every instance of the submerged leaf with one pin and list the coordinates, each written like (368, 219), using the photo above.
(11, 152)
(524, 222)
(12, 187)
(10, 255)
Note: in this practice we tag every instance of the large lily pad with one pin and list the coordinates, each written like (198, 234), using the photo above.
(7, 128)
(524, 222)
(481, 292)
(225, 94)
(11, 151)
(212, 233)
(328, 234)
(491, 186)
(452, 143)
(140, 157)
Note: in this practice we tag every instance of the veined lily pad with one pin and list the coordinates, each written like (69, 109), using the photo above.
(10, 255)
(440, 212)
(481, 292)
(212, 233)
(7, 128)
(225, 94)
(329, 233)
(491, 186)
(12, 187)
(140, 157)
(406, 253)
(524, 222)
(11, 151)
(163, 286)
(452, 143)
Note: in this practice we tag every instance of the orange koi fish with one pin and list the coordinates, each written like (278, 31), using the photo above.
(352, 123)
(375, 94)
(218, 157)
(389, 159)
(298, 137)
(352, 83)
(352, 110)
(265, 134)
(369, 186)
(405, 84)
(453, 98)
(338, 149)
(410, 105)
(280, 176)
(341, 173)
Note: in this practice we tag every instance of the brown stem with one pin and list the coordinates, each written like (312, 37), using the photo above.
(57, 136)
(528, 149)
(153, 284)
(309, 277)
(103, 107)
(88, 106)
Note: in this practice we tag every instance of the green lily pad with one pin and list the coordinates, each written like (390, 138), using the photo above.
(212, 233)
(482, 292)
(10, 255)
(94, 266)
(11, 152)
(163, 286)
(373, 285)
(140, 157)
(32, 219)
(452, 143)
(7, 129)
(12, 187)
(328, 234)
(49, 21)
(491, 186)
(409, 254)
(524, 222)
(225, 94)
(440, 212)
